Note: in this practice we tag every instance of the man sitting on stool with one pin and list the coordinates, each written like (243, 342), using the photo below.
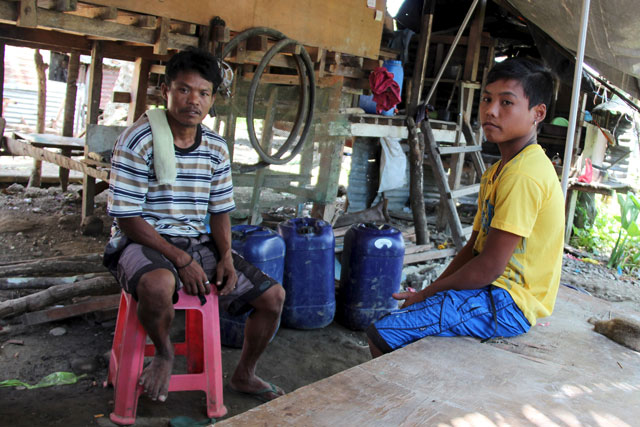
(167, 173)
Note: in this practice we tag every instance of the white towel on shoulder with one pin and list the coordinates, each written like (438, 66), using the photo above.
(164, 155)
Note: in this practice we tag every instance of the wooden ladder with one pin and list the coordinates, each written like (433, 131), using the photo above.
(448, 195)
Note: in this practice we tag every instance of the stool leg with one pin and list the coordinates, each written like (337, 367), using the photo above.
(213, 358)
(194, 341)
(117, 341)
(130, 361)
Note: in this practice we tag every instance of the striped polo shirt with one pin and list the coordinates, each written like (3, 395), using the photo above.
(203, 183)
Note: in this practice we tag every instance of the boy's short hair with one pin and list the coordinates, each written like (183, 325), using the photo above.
(198, 60)
(537, 80)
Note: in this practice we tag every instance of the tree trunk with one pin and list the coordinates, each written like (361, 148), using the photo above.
(416, 156)
(91, 264)
(98, 286)
(41, 67)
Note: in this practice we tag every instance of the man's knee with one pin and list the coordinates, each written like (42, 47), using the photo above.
(271, 300)
(156, 285)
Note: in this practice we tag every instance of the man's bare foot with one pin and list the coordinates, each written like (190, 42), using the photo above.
(256, 387)
(155, 377)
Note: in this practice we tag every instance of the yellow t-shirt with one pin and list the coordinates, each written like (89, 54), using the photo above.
(526, 199)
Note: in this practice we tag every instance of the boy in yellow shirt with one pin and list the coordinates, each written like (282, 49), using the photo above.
(507, 275)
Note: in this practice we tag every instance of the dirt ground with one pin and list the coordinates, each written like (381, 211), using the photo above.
(40, 223)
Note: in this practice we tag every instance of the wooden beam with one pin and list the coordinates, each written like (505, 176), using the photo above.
(21, 148)
(27, 14)
(96, 303)
(185, 28)
(1, 80)
(69, 111)
(66, 5)
(142, 21)
(139, 85)
(428, 255)
(96, 12)
(41, 68)
(91, 27)
(93, 107)
(162, 36)
(121, 97)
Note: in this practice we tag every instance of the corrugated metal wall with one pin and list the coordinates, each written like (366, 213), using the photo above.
(21, 90)
(365, 174)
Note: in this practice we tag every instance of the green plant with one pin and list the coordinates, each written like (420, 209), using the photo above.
(629, 210)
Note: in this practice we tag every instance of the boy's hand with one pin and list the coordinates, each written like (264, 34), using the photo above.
(409, 297)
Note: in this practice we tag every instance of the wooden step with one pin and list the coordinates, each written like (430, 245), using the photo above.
(464, 191)
(459, 149)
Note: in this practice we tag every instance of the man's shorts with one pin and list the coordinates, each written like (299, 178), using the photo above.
(451, 313)
(136, 260)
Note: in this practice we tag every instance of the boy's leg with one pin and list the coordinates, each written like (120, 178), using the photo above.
(151, 279)
(450, 313)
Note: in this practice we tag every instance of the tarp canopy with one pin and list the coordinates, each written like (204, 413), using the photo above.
(613, 38)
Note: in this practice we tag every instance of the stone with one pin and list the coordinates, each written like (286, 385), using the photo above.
(92, 226)
(69, 222)
(58, 332)
(15, 188)
(84, 365)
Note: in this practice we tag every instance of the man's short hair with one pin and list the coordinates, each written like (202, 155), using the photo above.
(537, 80)
(198, 60)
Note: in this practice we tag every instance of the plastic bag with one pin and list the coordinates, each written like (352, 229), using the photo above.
(57, 378)
(393, 165)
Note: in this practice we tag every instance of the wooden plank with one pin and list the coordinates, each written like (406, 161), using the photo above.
(428, 255)
(373, 130)
(139, 85)
(413, 249)
(344, 26)
(143, 21)
(464, 191)
(27, 14)
(459, 149)
(93, 106)
(21, 148)
(105, 302)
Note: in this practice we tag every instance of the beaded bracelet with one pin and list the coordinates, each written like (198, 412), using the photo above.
(186, 265)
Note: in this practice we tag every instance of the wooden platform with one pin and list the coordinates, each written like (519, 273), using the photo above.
(560, 373)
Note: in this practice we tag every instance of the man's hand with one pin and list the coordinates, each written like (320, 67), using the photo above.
(194, 278)
(409, 297)
(226, 269)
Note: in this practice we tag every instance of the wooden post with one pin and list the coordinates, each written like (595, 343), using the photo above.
(267, 137)
(1, 79)
(230, 122)
(93, 106)
(416, 150)
(330, 150)
(433, 155)
(416, 174)
(41, 67)
(69, 110)
(138, 104)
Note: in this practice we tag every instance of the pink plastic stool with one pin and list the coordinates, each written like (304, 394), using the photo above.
(201, 347)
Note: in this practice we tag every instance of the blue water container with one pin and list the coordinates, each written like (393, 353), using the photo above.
(394, 67)
(265, 249)
(308, 273)
(372, 262)
(367, 103)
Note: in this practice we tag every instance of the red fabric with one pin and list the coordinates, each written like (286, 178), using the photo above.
(386, 91)
(587, 176)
